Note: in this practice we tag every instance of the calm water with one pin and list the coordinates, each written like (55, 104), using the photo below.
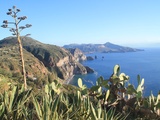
(145, 63)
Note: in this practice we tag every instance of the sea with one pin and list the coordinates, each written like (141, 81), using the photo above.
(144, 63)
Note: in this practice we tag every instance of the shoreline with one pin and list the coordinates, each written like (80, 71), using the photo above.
(68, 80)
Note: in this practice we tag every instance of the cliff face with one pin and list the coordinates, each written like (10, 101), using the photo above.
(78, 55)
(56, 59)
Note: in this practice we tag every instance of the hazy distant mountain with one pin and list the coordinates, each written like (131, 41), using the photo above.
(106, 48)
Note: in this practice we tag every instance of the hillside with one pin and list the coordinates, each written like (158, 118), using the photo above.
(10, 66)
(106, 48)
(57, 60)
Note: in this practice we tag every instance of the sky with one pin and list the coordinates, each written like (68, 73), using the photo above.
(61, 22)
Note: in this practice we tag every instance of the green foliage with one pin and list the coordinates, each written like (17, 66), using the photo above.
(10, 67)
(14, 104)
(116, 92)
(110, 99)
(4, 83)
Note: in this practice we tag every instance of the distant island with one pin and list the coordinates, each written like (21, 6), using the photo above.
(103, 48)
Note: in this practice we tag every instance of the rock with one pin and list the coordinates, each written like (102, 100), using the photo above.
(90, 58)
(78, 54)
(89, 70)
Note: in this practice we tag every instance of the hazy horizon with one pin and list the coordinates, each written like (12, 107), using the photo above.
(139, 45)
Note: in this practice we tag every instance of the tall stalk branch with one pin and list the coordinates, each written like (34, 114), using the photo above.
(16, 31)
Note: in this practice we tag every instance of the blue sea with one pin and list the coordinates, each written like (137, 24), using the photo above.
(145, 63)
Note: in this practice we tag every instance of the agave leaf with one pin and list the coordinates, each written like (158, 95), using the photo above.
(93, 113)
(138, 79)
(23, 97)
(53, 85)
(105, 116)
(70, 117)
(139, 88)
(38, 108)
(150, 101)
(12, 97)
(2, 110)
(110, 113)
(117, 116)
(157, 100)
(6, 100)
(56, 102)
(79, 95)
(99, 110)
(46, 89)
(142, 82)
(88, 105)
(46, 115)
(152, 96)
(107, 95)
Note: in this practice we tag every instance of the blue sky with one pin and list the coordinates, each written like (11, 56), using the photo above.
(60, 22)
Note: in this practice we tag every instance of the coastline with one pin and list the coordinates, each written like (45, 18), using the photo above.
(68, 80)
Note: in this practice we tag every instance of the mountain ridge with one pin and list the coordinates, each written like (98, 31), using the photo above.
(107, 47)
(55, 58)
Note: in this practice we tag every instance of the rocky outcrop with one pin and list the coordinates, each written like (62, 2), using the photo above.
(89, 70)
(68, 67)
(77, 53)
(90, 58)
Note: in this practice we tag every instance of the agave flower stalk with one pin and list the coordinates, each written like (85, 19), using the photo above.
(16, 31)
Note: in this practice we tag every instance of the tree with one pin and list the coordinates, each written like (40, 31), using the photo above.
(16, 32)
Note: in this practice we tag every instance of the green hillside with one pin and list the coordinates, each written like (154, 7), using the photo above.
(10, 66)
(56, 59)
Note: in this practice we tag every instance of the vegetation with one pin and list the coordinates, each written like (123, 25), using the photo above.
(111, 99)
(16, 31)
(10, 67)
(49, 99)
(49, 55)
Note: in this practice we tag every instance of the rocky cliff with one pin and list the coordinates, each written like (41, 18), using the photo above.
(78, 54)
(56, 59)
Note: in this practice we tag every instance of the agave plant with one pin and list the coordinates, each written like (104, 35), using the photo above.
(14, 104)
